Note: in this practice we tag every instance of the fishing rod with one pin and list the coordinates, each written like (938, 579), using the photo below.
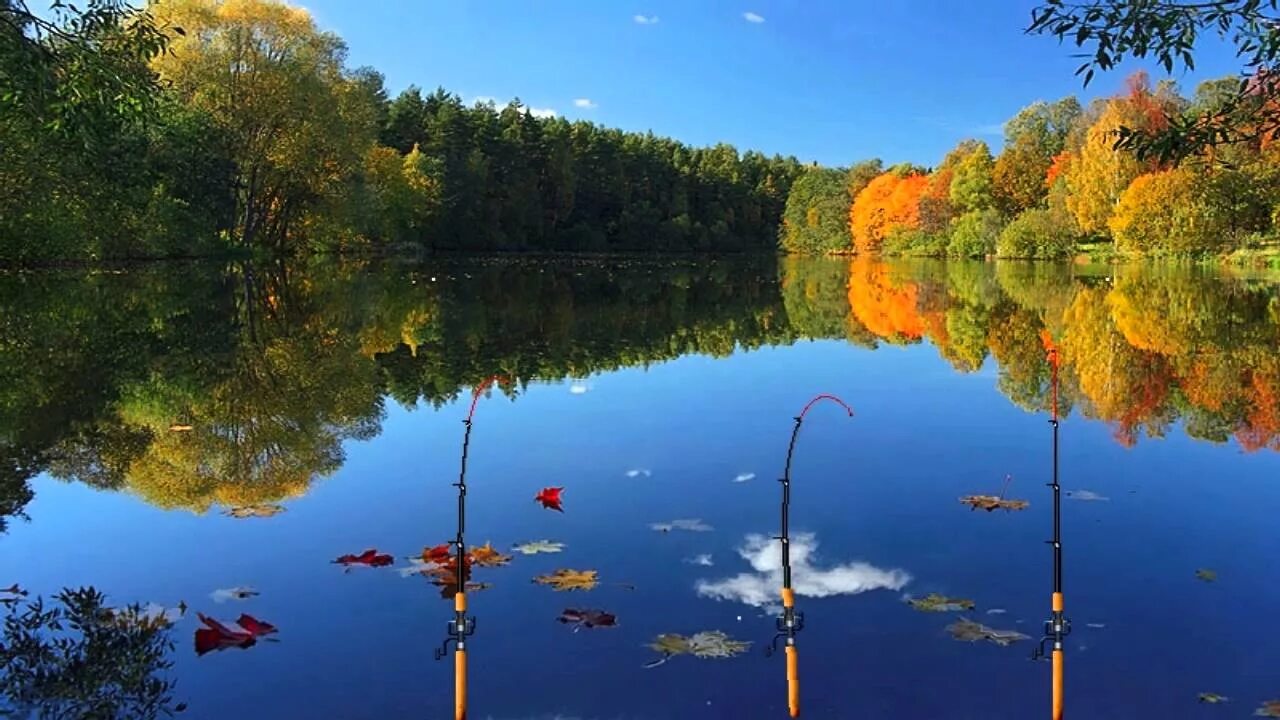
(791, 621)
(462, 626)
(1057, 627)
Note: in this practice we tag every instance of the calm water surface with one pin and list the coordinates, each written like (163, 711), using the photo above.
(138, 408)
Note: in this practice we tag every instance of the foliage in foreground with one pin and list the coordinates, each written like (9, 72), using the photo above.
(80, 659)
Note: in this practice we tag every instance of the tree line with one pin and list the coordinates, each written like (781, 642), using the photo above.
(200, 127)
(208, 127)
(1059, 182)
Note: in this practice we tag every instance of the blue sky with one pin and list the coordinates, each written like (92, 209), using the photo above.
(826, 80)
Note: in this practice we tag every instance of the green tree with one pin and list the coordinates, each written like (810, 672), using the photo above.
(817, 213)
(1032, 138)
(971, 181)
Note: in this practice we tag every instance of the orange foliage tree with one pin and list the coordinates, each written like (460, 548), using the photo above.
(888, 202)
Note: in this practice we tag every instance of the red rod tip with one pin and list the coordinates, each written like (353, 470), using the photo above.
(825, 396)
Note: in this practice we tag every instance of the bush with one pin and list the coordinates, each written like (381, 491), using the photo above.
(1188, 210)
(975, 233)
(1037, 234)
(914, 242)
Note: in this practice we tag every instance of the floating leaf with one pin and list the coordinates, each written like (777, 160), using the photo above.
(970, 631)
(1206, 574)
(179, 427)
(561, 580)
(993, 502)
(438, 554)
(1086, 496)
(486, 556)
(233, 593)
(254, 626)
(444, 576)
(418, 566)
(689, 525)
(670, 644)
(538, 546)
(254, 511)
(550, 498)
(933, 602)
(580, 619)
(1212, 698)
(706, 644)
(217, 636)
(370, 558)
(716, 644)
(1270, 708)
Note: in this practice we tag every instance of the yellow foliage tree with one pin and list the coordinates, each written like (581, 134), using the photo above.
(1098, 174)
(298, 123)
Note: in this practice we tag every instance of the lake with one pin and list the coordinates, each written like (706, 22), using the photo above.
(170, 431)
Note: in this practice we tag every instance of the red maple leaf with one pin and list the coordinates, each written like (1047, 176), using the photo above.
(438, 554)
(254, 626)
(216, 636)
(550, 498)
(369, 557)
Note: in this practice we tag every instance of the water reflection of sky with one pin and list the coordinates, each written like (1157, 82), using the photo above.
(880, 489)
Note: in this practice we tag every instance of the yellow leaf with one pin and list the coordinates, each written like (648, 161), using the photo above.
(561, 580)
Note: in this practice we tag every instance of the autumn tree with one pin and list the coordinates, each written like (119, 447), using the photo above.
(1031, 140)
(890, 201)
(298, 121)
(861, 174)
(1099, 173)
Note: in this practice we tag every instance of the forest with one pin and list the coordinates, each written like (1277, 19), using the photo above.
(196, 387)
(1058, 187)
(123, 136)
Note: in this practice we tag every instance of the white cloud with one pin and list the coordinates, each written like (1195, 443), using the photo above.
(578, 388)
(703, 559)
(752, 17)
(645, 19)
(743, 477)
(585, 103)
(542, 112)
(760, 588)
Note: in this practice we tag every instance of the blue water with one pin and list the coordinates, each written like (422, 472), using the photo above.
(881, 488)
